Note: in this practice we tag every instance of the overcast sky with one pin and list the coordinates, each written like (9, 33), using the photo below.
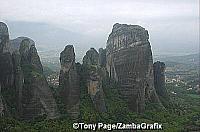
(173, 25)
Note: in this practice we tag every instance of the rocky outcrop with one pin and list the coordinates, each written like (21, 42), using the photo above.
(6, 66)
(24, 88)
(18, 81)
(36, 98)
(69, 82)
(4, 38)
(159, 79)
(130, 63)
(94, 79)
(15, 43)
(1, 106)
(198, 90)
(91, 57)
(102, 57)
(6, 78)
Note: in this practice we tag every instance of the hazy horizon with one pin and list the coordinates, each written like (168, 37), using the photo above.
(173, 25)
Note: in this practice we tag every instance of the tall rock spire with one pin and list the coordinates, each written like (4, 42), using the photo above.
(6, 66)
(159, 79)
(130, 63)
(94, 79)
(36, 98)
(69, 81)
(24, 91)
(4, 38)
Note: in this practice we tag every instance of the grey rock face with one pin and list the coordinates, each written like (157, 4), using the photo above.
(159, 79)
(21, 79)
(198, 90)
(15, 43)
(4, 38)
(6, 69)
(91, 57)
(37, 99)
(36, 96)
(6, 66)
(35, 59)
(4, 29)
(6, 78)
(69, 82)
(1, 106)
(129, 62)
(102, 57)
(94, 80)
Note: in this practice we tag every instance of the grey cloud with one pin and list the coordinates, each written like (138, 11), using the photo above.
(170, 23)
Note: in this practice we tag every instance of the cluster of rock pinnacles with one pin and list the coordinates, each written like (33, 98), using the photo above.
(127, 59)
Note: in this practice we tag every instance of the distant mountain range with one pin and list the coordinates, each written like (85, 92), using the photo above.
(192, 59)
(50, 38)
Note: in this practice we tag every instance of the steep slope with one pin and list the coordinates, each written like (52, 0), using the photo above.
(6, 66)
(69, 81)
(23, 85)
(94, 79)
(4, 38)
(129, 62)
(36, 95)
(159, 80)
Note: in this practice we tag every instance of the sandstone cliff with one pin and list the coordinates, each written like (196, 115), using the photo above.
(130, 63)
(69, 81)
(94, 80)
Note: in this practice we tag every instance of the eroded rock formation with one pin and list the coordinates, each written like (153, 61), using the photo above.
(1, 106)
(69, 81)
(4, 38)
(127, 59)
(130, 63)
(6, 66)
(37, 98)
(23, 85)
(15, 43)
(102, 57)
(94, 79)
(159, 79)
